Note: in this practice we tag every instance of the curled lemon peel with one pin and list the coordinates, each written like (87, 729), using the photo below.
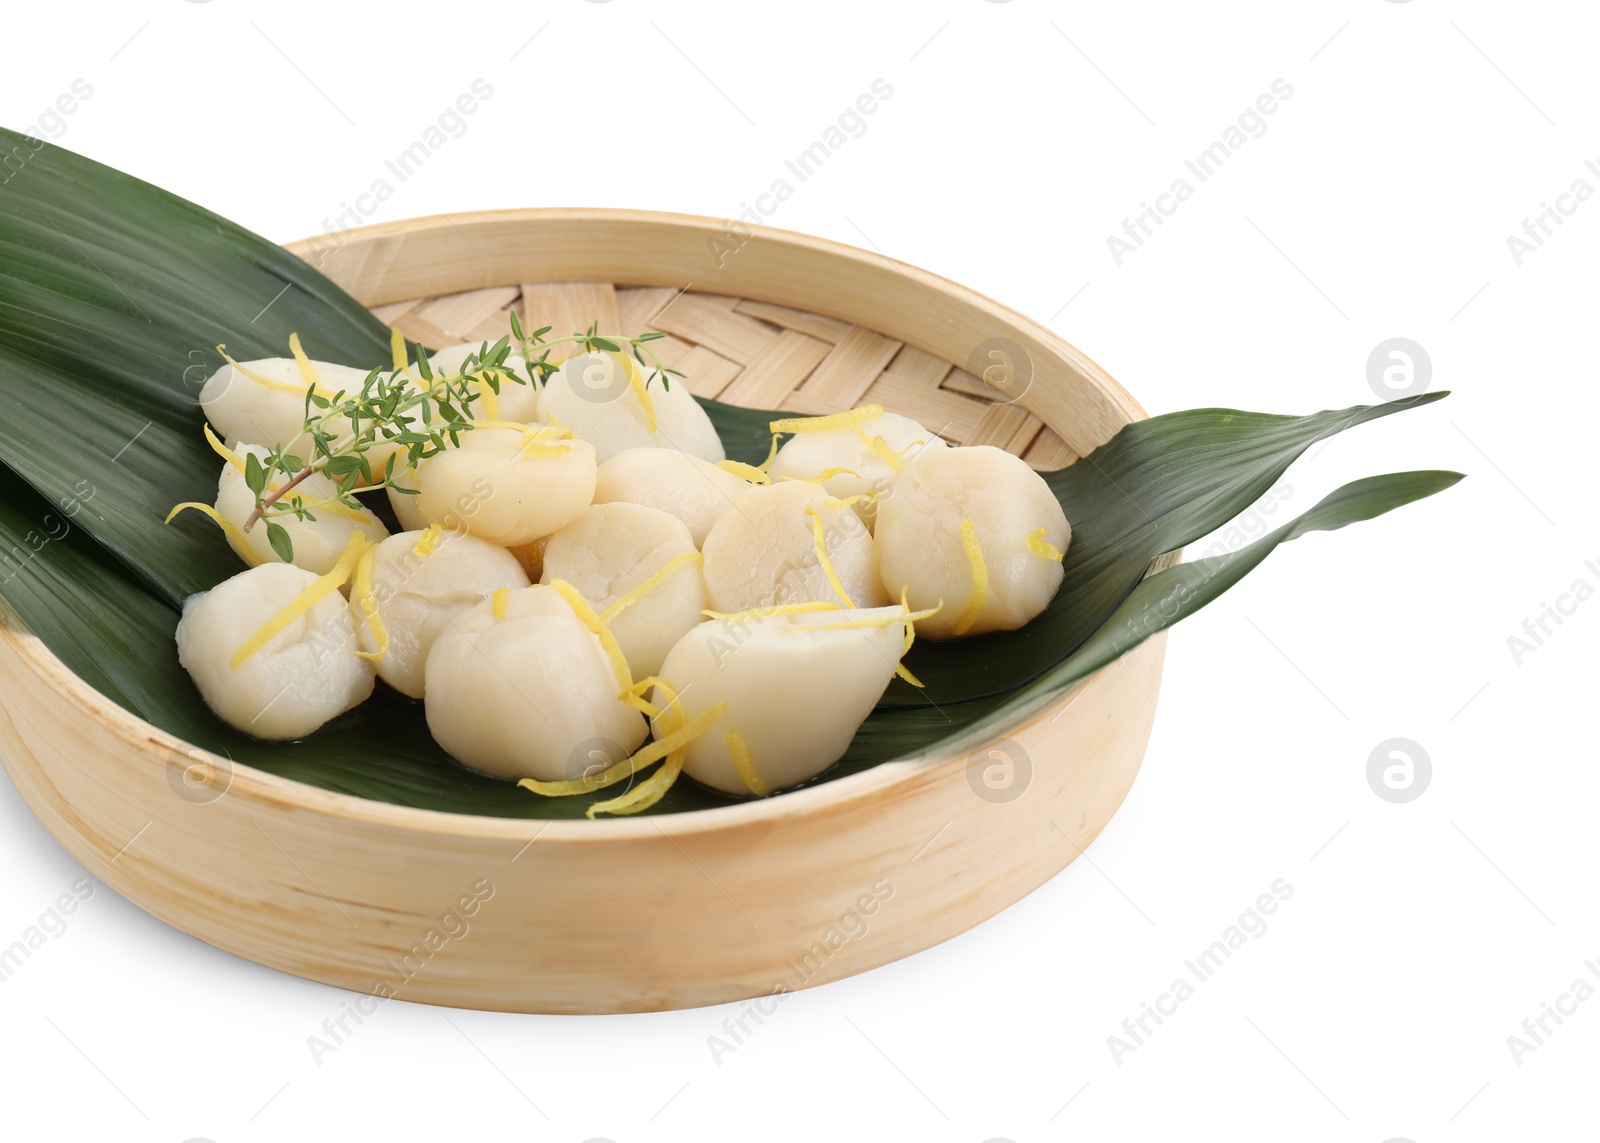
(498, 602)
(744, 762)
(267, 382)
(587, 784)
(824, 475)
(980, 578)
(634, 697)
(655, 787)
(745, 471)
(428, 541)
(397, 349)
(895, 459)
(313, 594)
(907, 617)
(487, 396)
(608, 642)
(489, 399)
(772, 454)
(900, 668)
(236, 538)
(636, 383)
(512, 426)
(307, 370)
(538, 440)
(368, 603)
(1039, 546)
(904, 672)
(765, 611)
(532, 448)
(223, 450)
(660, 576)
(670, 747)
(646, 794)
(819, 544)
(824, 424)
(851, 501)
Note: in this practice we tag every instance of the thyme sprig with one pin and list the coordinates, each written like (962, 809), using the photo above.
(404, 422)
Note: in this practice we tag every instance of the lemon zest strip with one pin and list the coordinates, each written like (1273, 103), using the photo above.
(428, 541)
(670, 746)
(819, 544)
(745, 763)
(907, 617)
(1039, 546)
(486, 394)
(304, 602)
(824, 424)
(634, 697)
(397, 349)
(229, 529)
(851, 501)
(980, 578)
(514, 426)
(368, 604)
(307, 370)
(679, 736)
(646, 794)
(896, 460)
(596, 625)
(769, 610)
(223, 450)
(661, 575)
(911, 637)
(268, 382)
(637, 384)
(534, 436)
(655, 787)
(825, 474)
(745, 471)
(772, 454)
(498, 601)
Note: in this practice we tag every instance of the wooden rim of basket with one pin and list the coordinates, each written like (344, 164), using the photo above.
(269, 789)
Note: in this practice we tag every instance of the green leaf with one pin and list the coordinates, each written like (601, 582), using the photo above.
(1157, 485)
(278, 537)
(340, 465)
(1158, 603)
(113, 297)
(255, 477)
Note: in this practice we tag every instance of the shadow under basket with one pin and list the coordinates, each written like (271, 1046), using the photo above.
(628, 914)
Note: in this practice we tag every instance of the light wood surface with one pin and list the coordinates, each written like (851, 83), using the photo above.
(623, 914)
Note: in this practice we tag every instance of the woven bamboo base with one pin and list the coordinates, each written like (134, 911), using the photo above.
(751, 353)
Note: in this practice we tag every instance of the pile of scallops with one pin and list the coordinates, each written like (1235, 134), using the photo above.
(586, 586)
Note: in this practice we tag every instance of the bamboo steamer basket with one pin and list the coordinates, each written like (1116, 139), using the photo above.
(627, 914)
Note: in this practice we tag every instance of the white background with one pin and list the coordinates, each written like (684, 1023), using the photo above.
(1018, 137)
